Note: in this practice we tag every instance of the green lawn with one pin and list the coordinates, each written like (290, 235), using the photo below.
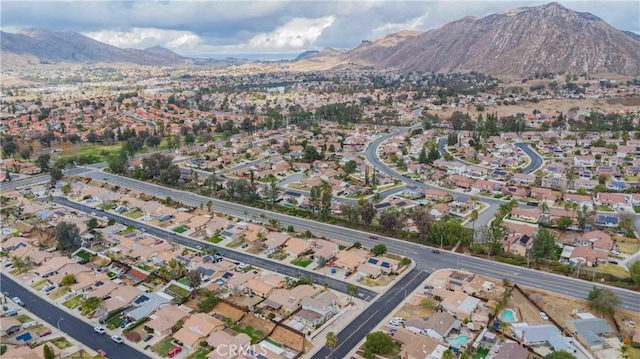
(148, 268)
(279, 345)
(134, 214)
(184, 281)
(199, 354)
(84, 255)
(23, 318)
(604, 208)
(114, 322)
(73, 302)
(107, 206)
(179, 291)
(302, 262)
(256, 336)
(180, 229)
(481, 354)
(163, 346)
(342, 248)
(216, 239)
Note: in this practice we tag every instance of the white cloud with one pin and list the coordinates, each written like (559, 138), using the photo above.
(416, 23)
(140, 38)
(297, 33)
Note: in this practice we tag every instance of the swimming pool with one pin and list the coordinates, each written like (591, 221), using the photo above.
(6, 230)
(458, 341)
(508, 315)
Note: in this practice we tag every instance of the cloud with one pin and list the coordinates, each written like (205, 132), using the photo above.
(181, 41)
(297, 33)
(417, 23)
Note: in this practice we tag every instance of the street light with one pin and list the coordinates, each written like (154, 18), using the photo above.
(59, 320)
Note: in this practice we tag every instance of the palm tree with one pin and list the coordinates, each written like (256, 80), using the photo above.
(544, 206)
(352, 290)
(332, 341)
(503, 328)
(474, 218)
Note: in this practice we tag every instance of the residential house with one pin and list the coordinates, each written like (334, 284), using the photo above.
(276, 240)
(519, 238)
(523, 179)
(9, 325)
(324, 249)
(596, 240)
(412, 192)
(436, 195)
(288, 300)
(224, 339)
(486, 186)
(296, 246)
(318, 309)
(613, 200)
(609, 221)
(439, 210)
(164, 319)
(197, 328)
(526, 214)
(416, 325)
(591, 331)
(440, 324)
(348, 260)
(512, 350)
(515, 192)
(259, 287)
(120, 298)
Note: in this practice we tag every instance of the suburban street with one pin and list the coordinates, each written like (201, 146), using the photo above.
(290, 271)
(75, 328)
(536, 159)
(421, 254)
(353, 333)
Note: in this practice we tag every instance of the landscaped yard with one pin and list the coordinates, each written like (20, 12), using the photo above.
(148, 268)
(177, 290)
(302, 262)
(59, 293)
(163, 346)
(216, 238)
(114, 322)
(23, 318)
(81, 354)
(134, 214)
(107, 206)
(39, 285)
(180, 229)
(604, 208)
(256, 336)
(73, 302)
(61, 343)
(199, 354)
(84, 255)
(627, 247)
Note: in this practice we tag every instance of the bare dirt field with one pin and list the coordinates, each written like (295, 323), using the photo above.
(413, 308)
(228, 311)
(553, 105)
(526, 312)
(289, 338)
(257, 324)
(244, 301)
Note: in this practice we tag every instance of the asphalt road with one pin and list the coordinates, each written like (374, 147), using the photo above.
(318, 278)
(421, 254)
(536, 159)
(75, 328)
(353, 333)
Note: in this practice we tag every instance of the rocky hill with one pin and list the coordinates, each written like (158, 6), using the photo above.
(72, 47)
(523, 41)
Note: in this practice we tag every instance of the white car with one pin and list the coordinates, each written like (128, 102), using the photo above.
(544, 316)
(18, 301)
(99, 330)
(117, 339)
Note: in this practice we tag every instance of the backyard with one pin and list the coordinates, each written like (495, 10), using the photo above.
(84, 255)
(61, 343)
(178, 291)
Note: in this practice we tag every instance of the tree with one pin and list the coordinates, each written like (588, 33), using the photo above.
(194, 278)
(331, 340)
(543, 245)
(350, 167)
(379, 249)
(92, 223)
(560, 355)
(368, 213)
(564, 223)
(68, 279)
(48, 352)
(423, 221)
(56, 175)
(434, 153)
(379, 343)
(602, 300)
(43, 162)
(358, 245)
(448, 354)
(68, 236)
(422, 157)
(352, 290)
(634, 271)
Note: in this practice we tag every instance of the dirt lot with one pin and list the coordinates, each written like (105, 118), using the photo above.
(526, 311)
(257, 324)
(413, 308)
(561, 308)
(245, 301)
(228, 311)
(289, 338)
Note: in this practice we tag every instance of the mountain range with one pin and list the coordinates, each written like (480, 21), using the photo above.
(523, 41)
(55, 47)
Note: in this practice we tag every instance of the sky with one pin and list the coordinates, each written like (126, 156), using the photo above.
(274, 28)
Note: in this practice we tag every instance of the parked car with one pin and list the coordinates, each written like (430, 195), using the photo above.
(102, 352)
(45, 333)
(245, 245)
(173, 352)
(100, 330)
(148, 337)
(117, 339)
(544, 316)
(18, 301)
